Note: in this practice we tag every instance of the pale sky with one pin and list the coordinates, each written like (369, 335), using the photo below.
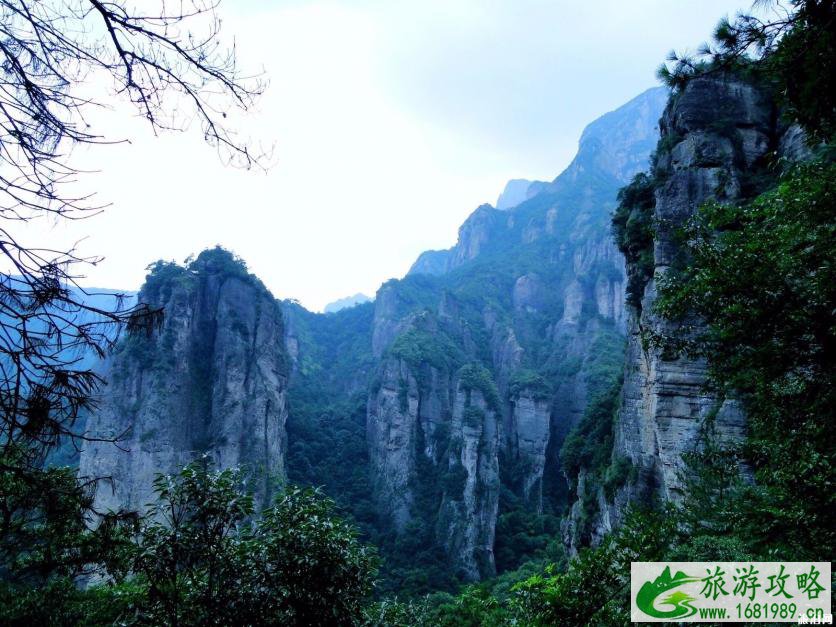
(391, 122)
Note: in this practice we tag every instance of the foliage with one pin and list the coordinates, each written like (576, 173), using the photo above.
(310, 569)
(523, 534)
(327, 448)
(589, 444)
(529, 382)
(190, 552)
(419, 346)
(62, 602)
(804, 62)
(762, 277)
(616, 475)
(44, 536)
(792, 50)
(198, 558)
(205, 561)
(474, 376)
(632, 227)
(595, 588)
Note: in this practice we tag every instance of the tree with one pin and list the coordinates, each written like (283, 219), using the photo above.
(191, 547)
(594, 590)
(205, 561)
(794, 50)
(46, 545)
(163, 59)
(762, 278)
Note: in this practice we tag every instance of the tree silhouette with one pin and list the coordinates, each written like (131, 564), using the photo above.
(791, 48)
(165, 58)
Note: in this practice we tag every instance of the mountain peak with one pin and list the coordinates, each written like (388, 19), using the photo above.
(619, 142)
(345, 303)
(515, 192)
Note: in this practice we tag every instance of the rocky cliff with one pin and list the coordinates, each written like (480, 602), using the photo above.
(717, 134)
(211, 380)
(433, 433)
(532, 298)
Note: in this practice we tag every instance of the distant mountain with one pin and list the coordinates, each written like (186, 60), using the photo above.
(515, 192)
(348, 301)
(433, 262)
(611, 150)
(618, 143)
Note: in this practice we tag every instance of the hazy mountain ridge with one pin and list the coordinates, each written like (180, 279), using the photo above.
(348, 301)
(611, 150)
(515, 192)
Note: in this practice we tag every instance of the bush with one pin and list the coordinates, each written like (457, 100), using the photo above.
(531, 382)
(206, 562)
(474, 376)
(632, 227)
(762, 277)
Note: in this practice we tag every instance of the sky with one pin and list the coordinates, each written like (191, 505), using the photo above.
(389, 122)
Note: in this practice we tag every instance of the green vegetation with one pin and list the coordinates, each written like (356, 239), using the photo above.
(326, 427)
(197, 558)
(762, 276)
(419, 346)
(632, 227)
(530, 382)
(524, 535)
(474, 376)
(589, 444)
(593, 590)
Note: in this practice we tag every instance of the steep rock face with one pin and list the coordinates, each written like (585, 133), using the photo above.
(387, 320)
(530, 432)
(474, 234)
(724, 127)
(534, 295)
(392, 423)
(716, 134)
(433, 445)
(212, 380)
(468, 512)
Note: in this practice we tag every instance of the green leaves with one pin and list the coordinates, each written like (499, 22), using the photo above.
(762, 277)
(632, 228)
(198, 558)
(206, 561)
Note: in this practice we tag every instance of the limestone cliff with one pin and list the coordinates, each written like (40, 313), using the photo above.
(433, 434)
(532, 296)
(716, 135)
(211, 380)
